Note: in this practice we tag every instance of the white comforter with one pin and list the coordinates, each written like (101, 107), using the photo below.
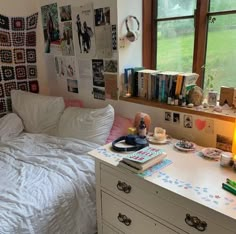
(47, 185)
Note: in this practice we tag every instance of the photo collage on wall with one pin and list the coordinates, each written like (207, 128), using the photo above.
(82, 41)
(18, 58)
(58, 38)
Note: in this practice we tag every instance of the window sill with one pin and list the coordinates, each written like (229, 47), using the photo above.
(229, 115)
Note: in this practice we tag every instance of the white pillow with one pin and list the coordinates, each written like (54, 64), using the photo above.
(87, 124)
(39, 113)
(10, 126)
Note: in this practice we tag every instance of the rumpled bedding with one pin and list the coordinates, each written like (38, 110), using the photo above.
(47, 185)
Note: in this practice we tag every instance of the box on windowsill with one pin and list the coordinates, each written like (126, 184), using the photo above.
(227, 95)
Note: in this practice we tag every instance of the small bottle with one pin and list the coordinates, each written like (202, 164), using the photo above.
(142, 128)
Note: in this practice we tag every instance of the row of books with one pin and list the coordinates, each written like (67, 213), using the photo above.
(157, 85)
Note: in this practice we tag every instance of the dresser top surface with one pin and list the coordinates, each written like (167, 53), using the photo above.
(188, 174)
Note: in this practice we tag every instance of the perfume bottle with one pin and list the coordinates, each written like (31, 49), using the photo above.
(142, 128)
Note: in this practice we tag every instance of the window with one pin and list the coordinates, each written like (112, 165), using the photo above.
(192, 35)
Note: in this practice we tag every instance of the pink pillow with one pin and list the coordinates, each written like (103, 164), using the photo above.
(119, 128)
(73, 103)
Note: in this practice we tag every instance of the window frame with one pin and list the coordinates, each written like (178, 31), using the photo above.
(201, 17)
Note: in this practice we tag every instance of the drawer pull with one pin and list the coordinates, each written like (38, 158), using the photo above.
(124, 219)
(195, 222)
(122, 186)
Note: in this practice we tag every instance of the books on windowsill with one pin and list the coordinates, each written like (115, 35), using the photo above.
(142, 159)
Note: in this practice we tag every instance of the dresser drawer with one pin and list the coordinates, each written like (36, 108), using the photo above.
(129, 220)
(181, 217)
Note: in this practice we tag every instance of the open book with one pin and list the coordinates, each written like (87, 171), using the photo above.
(143, 159)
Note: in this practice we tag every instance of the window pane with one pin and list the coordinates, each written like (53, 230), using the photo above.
(222, 5)
(221, 53)
(173, 8)
(175, 45)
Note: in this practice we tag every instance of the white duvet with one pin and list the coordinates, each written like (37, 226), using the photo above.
(47, 185)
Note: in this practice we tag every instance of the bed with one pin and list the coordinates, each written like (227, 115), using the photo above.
(47, 179)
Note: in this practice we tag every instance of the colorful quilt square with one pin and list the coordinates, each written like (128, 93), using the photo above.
(8, 87)
(5, 56)
(4, 22)
(5, 38)
(19, 56)
(9, 105)
(31, 21)
(8, 73)
(1, 91)
(18, 23)
(34, 86)
(18, 39)
(31, 38)
(21, 73)
(3, 107)
(22, 86)
(32, 71)
(31, 55)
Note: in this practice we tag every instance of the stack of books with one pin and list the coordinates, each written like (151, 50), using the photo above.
(142, 159)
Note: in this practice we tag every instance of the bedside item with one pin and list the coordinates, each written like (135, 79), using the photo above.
(142, 129)
(159, 134)
(137, 119)
(212, 98)
(143, 159)
(153, 140)
(226, 159)
(226, 95)
(184, 145)
(195, 96)
(135, 141)
(212, 153)
(132, 131)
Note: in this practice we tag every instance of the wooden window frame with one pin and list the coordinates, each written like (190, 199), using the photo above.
(200, 41)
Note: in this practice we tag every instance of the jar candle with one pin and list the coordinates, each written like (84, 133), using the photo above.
(225, 159)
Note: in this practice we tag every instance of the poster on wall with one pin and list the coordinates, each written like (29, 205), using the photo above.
(99, 93)
(50, 28)
(83, 25)
(66, 35)
(72, 86)
(104, 41)
(98, 69)
(70, 67)
(111, 90)
(65, 13)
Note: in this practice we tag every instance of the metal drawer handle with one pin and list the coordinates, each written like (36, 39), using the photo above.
(122, 186)
(124, 219)
(195, 222)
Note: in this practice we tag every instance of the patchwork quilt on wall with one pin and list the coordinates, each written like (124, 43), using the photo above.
(18, 59)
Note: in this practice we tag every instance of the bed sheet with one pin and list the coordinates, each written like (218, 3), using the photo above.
(47, 185)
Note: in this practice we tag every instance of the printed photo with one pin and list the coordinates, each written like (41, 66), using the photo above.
(67, 45)
(188, 121)
(70, 67)
(168, 116)
(110, 66)
(102, 16)
(98, 93)
(83, 23)
(65, 13)
(72, 86)
(50, 27)
(176, 118)
(98, 69)
(224, 143)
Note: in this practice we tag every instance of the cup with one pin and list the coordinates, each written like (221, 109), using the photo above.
(225, 159)
(159, 134)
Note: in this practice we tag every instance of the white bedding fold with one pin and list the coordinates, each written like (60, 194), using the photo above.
(47, 185)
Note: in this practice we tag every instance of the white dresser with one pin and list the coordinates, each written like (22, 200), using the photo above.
(185, 196)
